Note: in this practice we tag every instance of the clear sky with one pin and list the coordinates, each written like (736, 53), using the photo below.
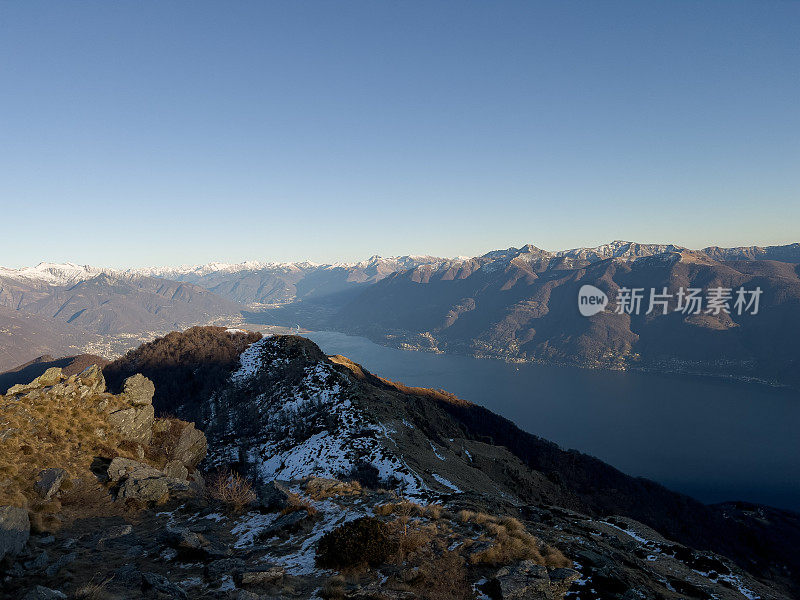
(155, 133)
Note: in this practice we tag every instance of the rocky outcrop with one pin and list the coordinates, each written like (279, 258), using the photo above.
(44, 593)
(135, 423)
(50, 377)
(527, 580)
(145, 483)
(15, 529)
(191, 447)
(49, 482)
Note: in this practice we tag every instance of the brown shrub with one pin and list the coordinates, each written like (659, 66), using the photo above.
(443, 577)
(295, 503)
(511, 542)
(231, 489)
(320, 488)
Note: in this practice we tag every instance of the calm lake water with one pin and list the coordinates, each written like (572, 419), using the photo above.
(713, 439)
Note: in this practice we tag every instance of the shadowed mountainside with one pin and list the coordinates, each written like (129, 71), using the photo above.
(488, 452)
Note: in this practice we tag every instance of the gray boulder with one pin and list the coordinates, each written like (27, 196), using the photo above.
(15, 529)
(162, 586)
(191, 447)
(149, 490)
(49, 482)
(272, 496)
(134, 424)
(121, 468)
(92, 380)
(524, 580)
(138, 390)
(175, 469)
(561, 580)
(43, 593)
(51, 377)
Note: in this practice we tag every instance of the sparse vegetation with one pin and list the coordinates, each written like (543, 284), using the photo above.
(231, 489)
(295, 502)
(365, 541)
(318, 488)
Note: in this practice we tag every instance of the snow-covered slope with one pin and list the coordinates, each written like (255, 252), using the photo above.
(54, 273)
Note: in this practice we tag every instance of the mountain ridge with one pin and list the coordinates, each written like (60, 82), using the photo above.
(301, 414)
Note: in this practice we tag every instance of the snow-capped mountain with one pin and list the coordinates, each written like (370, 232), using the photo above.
(56, 274)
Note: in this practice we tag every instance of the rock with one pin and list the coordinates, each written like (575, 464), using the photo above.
(121, 468)
(38, 563)
(262, 576)
(561, 579)
(134, 424)
(138, 390)
(272, 496)
(176, 470)
(112, 533)
(149, 490)
(524, 580)
(128, 576)
(51, 377)
(42, 593)
(197, 485)
(162, 585)
(49, 482)
(225, 566)
(177, 485)
(15, 529)
(191, 447)
(245, 595)
(288, 523)
(62, 562)
(92, 380)
(182, 538)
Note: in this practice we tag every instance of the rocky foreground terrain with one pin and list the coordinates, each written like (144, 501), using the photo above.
(305, 476)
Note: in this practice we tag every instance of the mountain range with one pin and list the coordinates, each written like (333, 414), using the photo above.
(515, 304)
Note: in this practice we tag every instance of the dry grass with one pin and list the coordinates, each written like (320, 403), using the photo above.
(443, 576)
(52, 430)
(334, 588)
(511, 542)
(295, 503)
(93, 590)
(319, 488)
(231, 489)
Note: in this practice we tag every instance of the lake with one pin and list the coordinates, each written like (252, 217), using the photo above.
(714, 439)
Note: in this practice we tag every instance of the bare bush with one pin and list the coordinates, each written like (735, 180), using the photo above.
(231, 489)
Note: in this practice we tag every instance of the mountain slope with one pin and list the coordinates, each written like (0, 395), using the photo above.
(522, 304)
(110, 303)
(287, 411)
(24, 336)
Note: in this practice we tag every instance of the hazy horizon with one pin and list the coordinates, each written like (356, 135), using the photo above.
(334, 260)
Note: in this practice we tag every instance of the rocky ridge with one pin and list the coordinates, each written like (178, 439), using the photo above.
(321, 481)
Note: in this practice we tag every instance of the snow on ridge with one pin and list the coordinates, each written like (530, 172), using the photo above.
(293, 448)
(249, 361)
(55, 273)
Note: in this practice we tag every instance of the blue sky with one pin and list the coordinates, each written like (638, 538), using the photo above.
(138, 133)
